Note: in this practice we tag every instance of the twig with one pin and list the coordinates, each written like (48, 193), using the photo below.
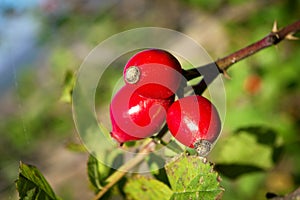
(273, 38)
(117, 175)
(294, 195)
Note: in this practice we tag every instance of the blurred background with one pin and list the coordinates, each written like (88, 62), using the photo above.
(43, 42)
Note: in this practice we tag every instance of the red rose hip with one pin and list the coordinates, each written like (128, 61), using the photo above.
(194, 122)
(155, 72)
(135, 117)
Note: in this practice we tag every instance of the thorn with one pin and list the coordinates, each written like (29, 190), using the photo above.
(226, 75)
(274, 28)
(291, 37)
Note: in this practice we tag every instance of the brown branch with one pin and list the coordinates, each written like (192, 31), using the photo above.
(294, 195)
(273, 38)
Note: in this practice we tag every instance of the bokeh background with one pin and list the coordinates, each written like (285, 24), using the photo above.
(43, 42)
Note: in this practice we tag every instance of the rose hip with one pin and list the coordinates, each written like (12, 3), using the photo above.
(195, 122)
(134, 116)
(155, 72)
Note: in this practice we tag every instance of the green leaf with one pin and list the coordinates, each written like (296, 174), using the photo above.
(144, 188)
(233, 171)
(192, 178)
(244, 149)
(30, 194)
(155, 162)
(32, 185)
(263, 134)
(97, 172)
(68, 87)
(76, 147)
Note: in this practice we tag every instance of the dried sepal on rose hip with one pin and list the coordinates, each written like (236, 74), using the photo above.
(155, 72)
(194, 122)
(134, 116)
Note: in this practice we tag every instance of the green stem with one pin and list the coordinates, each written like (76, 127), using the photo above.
(117, 175)
(172, 146)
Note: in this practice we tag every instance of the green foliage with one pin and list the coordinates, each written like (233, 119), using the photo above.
(140, 187)
(97, 172)
(240, 148)
(63, 59)
(32, 185)
(191, 178)
(68, 87)
(257, 142)
(209, 5)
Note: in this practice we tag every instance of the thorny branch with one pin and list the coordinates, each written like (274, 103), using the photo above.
(273, 38)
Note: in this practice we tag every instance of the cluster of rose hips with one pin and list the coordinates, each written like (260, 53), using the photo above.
(140, 108)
